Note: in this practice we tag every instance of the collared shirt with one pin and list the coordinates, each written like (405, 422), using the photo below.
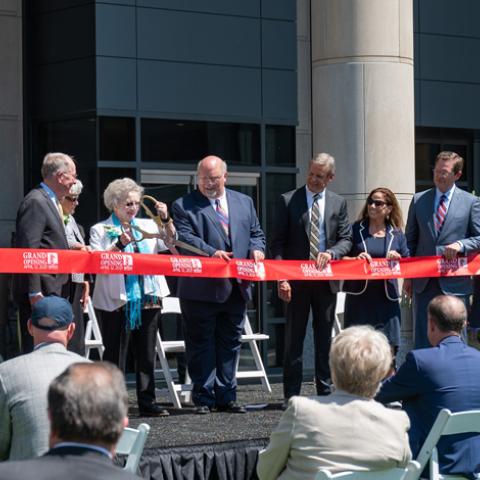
(322, 244)
(448, 195)
(51, 194)
(42, 344)
(223, 203)
(87, 446)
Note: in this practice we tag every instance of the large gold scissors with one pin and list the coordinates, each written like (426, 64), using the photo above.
(155, 218)
(161, 226)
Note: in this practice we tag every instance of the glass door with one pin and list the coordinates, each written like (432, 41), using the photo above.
(167, 186)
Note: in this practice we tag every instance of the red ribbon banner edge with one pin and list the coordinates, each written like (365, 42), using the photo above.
(17, 260)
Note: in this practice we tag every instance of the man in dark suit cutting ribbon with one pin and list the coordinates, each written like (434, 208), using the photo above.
(222, 223)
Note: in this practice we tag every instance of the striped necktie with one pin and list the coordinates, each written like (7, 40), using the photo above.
(440, 214)
(222, 216)
(60, 210)
(314, 236)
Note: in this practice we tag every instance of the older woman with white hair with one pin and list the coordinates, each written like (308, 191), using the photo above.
(130, 305)
(347, 430)
(80, 288)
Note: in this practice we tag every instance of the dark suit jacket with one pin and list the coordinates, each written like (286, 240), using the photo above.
(396, 240)
(461, 223)
(197, 224)
(290, 239)
(72, 463)
(39, 226)
(446, 376)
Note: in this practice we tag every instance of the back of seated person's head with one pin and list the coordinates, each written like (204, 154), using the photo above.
(360, 357)
(448, 312)
(88, 403)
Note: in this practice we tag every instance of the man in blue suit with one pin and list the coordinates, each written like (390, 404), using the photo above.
(445, 376)
(444, 220)
(222, 223)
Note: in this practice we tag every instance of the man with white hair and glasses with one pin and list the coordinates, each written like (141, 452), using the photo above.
(40, 225)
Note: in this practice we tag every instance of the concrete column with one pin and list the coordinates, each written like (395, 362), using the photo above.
(304, 88)
(11, 127)
(11, 130)
(362, 89)
(362, 99)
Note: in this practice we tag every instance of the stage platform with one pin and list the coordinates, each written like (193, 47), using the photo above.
(186, 446)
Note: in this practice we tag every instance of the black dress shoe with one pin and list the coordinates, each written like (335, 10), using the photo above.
(152, 410)
(202, 410)
(324, 388)
(284, 404)
(231, 407)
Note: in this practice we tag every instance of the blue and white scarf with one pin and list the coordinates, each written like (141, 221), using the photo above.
(137, 288)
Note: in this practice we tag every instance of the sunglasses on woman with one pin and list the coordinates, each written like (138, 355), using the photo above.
(377, 203)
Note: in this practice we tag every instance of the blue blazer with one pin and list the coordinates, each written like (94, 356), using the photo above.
(461, 223)
(445, 376)
(197, 223)
(396, 240)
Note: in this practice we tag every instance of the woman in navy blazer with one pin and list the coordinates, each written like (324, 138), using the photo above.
(377, 234)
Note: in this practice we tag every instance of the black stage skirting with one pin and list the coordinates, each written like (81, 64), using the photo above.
(219, 445)
(229, 460)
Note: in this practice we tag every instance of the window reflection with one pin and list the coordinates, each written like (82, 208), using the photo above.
(178, 141)
(432, 141)
(117, 138)
(280, 145)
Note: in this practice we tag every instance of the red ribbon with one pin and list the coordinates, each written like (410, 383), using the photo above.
(16, 260)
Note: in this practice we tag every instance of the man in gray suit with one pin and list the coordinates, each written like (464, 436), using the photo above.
(87, 407)
(312, 223)
(40, 225)
(24, 380)
(444, 220)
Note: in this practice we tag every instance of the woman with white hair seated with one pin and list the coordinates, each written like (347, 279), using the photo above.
(80, 288)
(347, 430)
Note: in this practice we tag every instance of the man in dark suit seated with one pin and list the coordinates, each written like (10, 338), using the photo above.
(223, 224)
(87, 407)
(444, 376)
(40, 225)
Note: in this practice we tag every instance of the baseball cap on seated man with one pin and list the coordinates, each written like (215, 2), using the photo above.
(52, 313)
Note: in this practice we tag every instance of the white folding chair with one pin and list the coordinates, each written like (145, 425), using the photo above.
(172, 305)
(131, 444)
(447, 423)
(93, 336)
(410, 472)
(339, 311)
(252, 339)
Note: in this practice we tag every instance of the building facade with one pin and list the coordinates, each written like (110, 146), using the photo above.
(145, 88)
